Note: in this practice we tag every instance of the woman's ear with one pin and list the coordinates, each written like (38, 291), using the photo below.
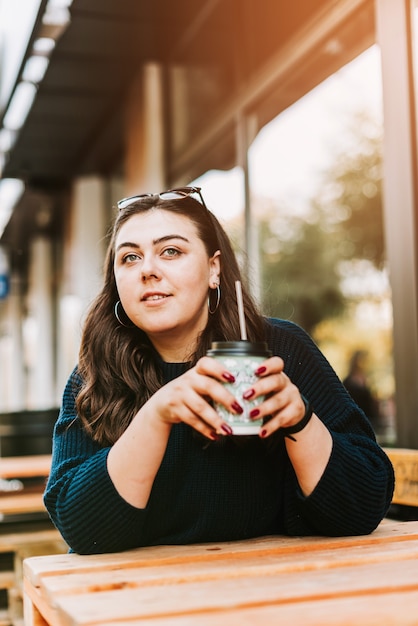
(215, 269)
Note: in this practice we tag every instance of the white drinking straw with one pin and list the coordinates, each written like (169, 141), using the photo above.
(241, 310)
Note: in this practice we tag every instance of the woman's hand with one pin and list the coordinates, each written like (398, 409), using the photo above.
(309, 451)
(283, 401)
(185, 399)
(189, 398)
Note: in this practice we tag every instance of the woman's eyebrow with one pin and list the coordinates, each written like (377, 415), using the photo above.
(131, 244)
(167, 237)
(127, 244)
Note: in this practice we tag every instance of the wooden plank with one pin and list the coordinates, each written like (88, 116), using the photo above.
(32, 615)
(388, 532)
(391, 609)
(14, 541)
(17, 503)
(237, 593)
(405, 464)
(255, 565)
(7, 580)
(25, 466)
(37, 611)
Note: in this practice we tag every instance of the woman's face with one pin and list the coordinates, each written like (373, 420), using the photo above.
(163, 274)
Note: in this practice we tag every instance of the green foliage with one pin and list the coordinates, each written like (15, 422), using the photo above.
(301, 258)
(351, 198)
(299, 276)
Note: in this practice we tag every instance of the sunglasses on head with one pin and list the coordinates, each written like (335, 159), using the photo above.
(170, 194)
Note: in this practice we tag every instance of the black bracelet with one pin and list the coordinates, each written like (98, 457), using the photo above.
(288, 431)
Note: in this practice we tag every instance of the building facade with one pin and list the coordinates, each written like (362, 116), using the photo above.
(131, 96)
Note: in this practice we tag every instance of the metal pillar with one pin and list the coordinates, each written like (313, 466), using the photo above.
(394, 35)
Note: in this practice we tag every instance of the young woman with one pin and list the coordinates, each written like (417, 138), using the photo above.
(141, 457)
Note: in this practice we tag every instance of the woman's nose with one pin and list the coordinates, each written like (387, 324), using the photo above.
(149, 269)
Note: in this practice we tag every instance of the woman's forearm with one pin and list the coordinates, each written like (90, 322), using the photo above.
(310, 453)
(135, 458)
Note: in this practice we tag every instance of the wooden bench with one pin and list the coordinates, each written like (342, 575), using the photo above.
(404, 506)
(37, 465)
(28, 500)
(20, 504)
(14, 548)
(17, 511)
(405, 464)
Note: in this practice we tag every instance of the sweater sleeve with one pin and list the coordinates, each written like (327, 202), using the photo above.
(80, 496)
(356, 488)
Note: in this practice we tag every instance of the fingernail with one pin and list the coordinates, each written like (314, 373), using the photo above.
(229, 377)
(260, 370)
(254, 413)
(248, 394)
(214, 436)
(227, 429)
(237, 407)
(263, 433)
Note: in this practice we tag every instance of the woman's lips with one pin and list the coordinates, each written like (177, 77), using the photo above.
(153, 297)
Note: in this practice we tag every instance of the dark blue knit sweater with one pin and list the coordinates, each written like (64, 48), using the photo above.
(236, 488)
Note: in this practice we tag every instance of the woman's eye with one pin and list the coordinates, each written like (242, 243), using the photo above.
(171, 252)
(130, 258)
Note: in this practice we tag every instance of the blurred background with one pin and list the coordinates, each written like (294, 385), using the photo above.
(298, 120)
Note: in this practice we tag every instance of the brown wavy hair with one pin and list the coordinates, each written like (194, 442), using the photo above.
(118, 365)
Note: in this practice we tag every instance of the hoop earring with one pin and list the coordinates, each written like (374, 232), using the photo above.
(115, 310)
(218, 299)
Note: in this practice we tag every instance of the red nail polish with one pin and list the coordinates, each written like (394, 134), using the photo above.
(214, 436)
(237, 408)
(254, 413)
(263, 433)
(227, 429)
(228, 377)
(260, 370)
(248, 394)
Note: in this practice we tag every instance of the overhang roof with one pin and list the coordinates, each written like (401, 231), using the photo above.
(75, 126)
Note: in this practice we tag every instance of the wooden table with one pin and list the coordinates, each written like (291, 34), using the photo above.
(368, 580)
(25, 466)
(27, 501)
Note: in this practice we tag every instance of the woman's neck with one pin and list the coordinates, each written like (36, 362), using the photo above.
(174, 353)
